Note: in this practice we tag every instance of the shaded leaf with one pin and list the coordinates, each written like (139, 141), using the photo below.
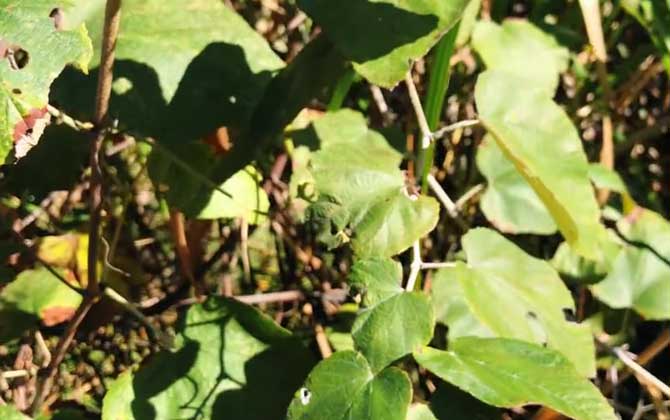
(507, 373)
(382, 38)
(363, 193)
(450, 403)
(537, 136)
(228, 357)
(344, 387)
(32, 53)
(515, 46)
(502, 279)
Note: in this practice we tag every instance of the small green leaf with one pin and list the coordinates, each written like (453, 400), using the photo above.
(35, 296)
(515, 45)
(500, 278)
(639, 275)
(420, 411)
(363, 191)
(603, 177)
(33, 52)
(394, 322)
(228, 358)
(343, 387)
(537, 136)
(509, 203)
(507, 373)
(382, 38)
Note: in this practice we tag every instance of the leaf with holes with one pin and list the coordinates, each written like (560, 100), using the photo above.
(394, 322)
(514, 45)
(228, 356)
(507, 373)
(382, 38)
(502, 279)
(509, 203)
(33, 51)
(343, 387)
(536, 135)
(363, 193)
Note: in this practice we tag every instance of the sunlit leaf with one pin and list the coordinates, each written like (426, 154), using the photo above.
(507, 373)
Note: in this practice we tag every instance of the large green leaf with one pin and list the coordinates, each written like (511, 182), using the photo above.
(362, 189)
(39, 52)
(394, 322)
(537, 136)
(500, 278)
(228, 359)
(35, 296)
(507, 373)
(639, 274)
(509, 203)
(383, 37)
(515, 47)
(343, 387)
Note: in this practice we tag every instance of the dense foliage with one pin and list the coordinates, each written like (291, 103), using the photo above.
(344, 209)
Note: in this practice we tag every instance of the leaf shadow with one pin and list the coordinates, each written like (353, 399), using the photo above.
(372, 29)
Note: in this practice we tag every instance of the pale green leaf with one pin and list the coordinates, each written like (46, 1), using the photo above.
(509, 203)
(377, 279)
(537, 136)
(41, 52)
(228, 357)
(500, 278)
(248, 200)
(420, 411)
(363, 193)
(639, 275)
(603, 177)
(383, 37)
(516, 46)
(508, 373)
(343, 387)
(9, 412)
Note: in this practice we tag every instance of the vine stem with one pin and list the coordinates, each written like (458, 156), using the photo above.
(453, 127)
(103, 93)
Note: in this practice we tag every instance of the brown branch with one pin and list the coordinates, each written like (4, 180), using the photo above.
(110, 33)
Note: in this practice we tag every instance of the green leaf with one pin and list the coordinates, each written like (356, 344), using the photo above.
(9, 412)
(639, 275)
(363, 191)
(515, 46)
(383, 37)
(509, 203)
(35, 296)
(654, 16)
(36, 52)
(603, 177)
(344, 387)
(228, 358)
(248, 200)
(500, 278)
(507, 373)
(537, 136)
(394, 322)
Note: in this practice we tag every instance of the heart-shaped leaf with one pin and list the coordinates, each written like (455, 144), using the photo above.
(344, 387)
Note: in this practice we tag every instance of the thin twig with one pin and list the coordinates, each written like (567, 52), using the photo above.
(415, 267)
(453, 127)
(471, 193)
(13, 374)
(442, 195)
(71, 122)
(639, 370)
(276, 297)
(437, 265)
(43, 349)
(427, 136)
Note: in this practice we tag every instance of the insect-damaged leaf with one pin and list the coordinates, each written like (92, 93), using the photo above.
(33, 51)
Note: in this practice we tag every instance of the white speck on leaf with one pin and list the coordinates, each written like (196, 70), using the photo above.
(305, 396)
(232, 99)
